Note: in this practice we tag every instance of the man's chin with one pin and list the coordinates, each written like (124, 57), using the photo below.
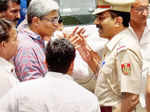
(103, 36)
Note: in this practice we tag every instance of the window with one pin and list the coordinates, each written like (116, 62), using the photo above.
(75, 12)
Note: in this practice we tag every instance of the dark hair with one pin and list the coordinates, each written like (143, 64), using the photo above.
(4, 4)
(5, 27)
(16, 1)
(124, 15)
(28, 2)
(59, 55)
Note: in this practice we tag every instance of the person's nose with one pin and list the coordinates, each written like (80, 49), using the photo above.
(18, 15)
(145, 12)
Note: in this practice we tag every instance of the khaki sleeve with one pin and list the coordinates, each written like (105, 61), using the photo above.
(129, 69)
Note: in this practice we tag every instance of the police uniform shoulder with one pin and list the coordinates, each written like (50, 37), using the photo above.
(129, 43)
(128, 40)
(121, 47)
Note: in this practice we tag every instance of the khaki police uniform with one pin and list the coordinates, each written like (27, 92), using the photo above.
(120, 69)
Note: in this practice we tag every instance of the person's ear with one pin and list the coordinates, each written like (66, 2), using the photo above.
(2, 14)
(3, 44)
(118, 21)
(70, 69)
(35, 21)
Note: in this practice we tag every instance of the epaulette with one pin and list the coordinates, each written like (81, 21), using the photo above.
(121, 48)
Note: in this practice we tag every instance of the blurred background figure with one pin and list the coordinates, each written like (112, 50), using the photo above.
(8, 49)
(10, 10)
(140, 30)
(23, 10)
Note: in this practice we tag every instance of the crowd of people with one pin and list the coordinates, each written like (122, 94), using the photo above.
(38, 72)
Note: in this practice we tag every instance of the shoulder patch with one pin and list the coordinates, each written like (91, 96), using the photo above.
(126, 68)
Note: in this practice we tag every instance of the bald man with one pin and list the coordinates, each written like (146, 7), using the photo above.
(139, 29)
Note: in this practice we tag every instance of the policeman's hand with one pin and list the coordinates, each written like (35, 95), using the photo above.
(77, 37)
(129, 102)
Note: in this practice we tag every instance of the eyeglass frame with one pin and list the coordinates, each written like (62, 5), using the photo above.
(53, 19)
(141, 8)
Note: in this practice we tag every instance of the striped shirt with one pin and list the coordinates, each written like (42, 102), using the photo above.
(30, 59)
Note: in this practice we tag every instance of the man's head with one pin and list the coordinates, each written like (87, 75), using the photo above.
(111, 22)
(8, 39)
(10, 10)
(139, 11)
(60, 54)
(112, 17)
(43, 17)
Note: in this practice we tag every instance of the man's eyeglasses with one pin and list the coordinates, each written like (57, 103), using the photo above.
(53, 19)
(141, 9)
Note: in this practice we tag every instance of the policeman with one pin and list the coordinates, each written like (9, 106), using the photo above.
(118, 83)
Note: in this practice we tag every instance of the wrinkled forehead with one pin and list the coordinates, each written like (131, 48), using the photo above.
(53, 13)
(140, 3)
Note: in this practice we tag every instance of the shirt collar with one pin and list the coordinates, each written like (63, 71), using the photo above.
(144, 38)
(34, 36)
(6, 65)
(146, 30)
(113, 42)
(58, 75)
(25, 29)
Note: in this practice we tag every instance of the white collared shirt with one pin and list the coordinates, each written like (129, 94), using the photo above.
(7, 76)
(145, 48)
(144, 43)
(55, 92)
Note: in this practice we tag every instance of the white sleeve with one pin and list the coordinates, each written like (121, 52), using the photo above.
(8, 103)
(81, 70)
